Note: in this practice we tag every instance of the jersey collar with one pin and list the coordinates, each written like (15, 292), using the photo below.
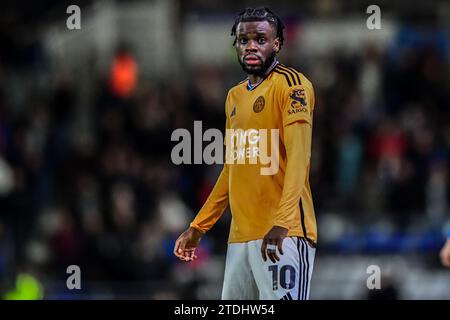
(250, 87)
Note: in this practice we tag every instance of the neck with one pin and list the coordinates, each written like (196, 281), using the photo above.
(255, 79)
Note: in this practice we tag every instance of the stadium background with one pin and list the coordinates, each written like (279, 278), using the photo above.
(86, 118)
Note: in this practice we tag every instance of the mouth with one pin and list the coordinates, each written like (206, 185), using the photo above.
(252, 60)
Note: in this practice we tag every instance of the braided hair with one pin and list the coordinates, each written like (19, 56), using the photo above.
(259, 14)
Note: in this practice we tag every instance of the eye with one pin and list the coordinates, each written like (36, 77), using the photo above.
(242, 40)
(261, 40)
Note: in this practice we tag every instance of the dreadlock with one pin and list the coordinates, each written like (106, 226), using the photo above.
(259, 14)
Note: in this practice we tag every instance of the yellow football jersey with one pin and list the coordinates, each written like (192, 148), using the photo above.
(253, 115)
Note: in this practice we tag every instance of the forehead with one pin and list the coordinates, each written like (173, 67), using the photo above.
(254, 27)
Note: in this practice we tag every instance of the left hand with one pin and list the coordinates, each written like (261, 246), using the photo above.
(275, 237)
(445, 254)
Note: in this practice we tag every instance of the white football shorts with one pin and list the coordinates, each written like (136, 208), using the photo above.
(248, 277)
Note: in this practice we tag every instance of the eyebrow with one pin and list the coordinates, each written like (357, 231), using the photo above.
(258, 32)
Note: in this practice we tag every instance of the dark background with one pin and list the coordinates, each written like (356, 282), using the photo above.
(86, 118)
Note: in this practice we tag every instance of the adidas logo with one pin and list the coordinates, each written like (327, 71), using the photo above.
(287, 296)
(233, 113)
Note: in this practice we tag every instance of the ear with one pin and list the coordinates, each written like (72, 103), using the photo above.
(276, 45)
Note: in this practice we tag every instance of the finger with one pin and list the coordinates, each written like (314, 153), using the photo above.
(179, 253)
(269, 254)
(275, 256)
(263, 249)
(272, 254)
(182, 257)
(182, 249)
(187, 258)
(280, 246)
(186, 254)
(190, 254)
(446, 261)
(175, 248)
(181, 244)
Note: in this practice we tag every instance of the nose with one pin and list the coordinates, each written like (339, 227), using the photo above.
(251, 46)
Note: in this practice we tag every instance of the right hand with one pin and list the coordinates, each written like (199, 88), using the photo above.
(186, 244)
(445, 254)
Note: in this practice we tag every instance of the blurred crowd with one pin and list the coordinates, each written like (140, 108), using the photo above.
(86, 176)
